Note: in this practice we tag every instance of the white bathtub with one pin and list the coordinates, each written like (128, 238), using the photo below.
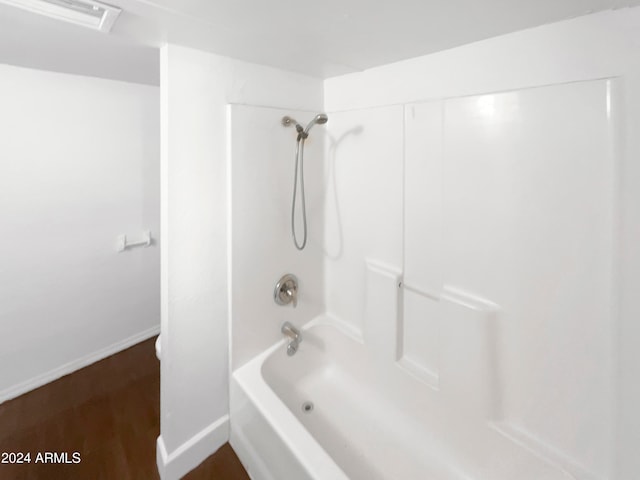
(370, 420)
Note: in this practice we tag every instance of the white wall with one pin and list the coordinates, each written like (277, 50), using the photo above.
(604, 347)
(79, 165)
(196, 88)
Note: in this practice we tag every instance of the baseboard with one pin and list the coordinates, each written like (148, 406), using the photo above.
(67, 368)
(174, 465)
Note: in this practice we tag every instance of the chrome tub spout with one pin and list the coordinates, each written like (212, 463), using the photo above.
(294, 334)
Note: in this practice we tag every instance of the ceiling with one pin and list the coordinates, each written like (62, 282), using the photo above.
(321, 38)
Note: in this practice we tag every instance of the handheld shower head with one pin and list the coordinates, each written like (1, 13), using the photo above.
(303, 133)
(320, 119)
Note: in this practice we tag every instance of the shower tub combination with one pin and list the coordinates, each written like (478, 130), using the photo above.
(334, 411)
(486, 318)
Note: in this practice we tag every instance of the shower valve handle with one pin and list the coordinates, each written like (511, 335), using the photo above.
(286, 290)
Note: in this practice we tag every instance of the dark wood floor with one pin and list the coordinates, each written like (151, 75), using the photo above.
(109, 413)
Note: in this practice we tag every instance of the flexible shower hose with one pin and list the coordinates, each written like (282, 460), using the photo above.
(299, 162)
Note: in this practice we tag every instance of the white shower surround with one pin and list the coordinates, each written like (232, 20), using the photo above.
(472, 316)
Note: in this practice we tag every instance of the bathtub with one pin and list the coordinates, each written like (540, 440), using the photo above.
(334, 411)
